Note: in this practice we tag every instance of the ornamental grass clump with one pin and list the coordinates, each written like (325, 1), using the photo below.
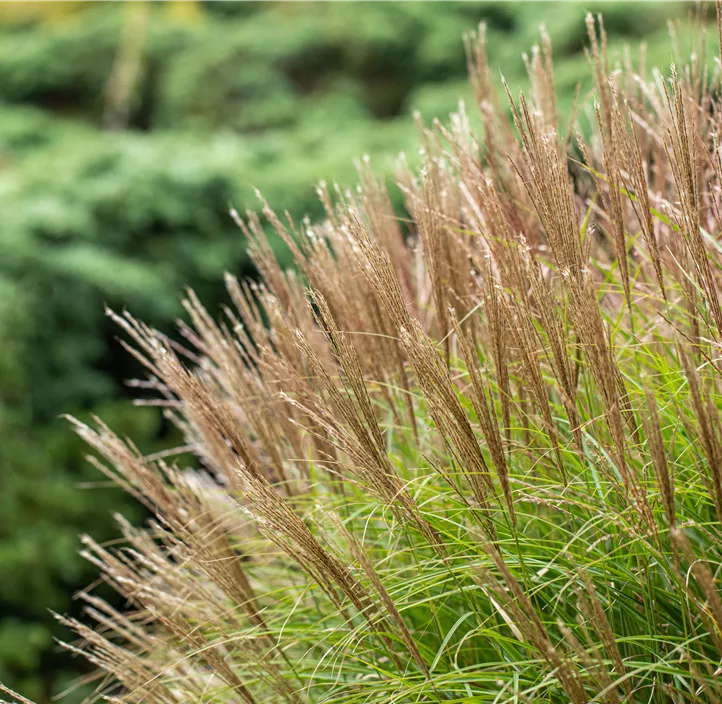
(473, 455)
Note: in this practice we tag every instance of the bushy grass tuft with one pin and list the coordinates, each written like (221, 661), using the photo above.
(471, 454)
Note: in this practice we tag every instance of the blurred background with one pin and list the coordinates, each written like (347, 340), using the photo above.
(126, 132)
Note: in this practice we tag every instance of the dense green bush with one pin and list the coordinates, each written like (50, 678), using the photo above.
(84, 225)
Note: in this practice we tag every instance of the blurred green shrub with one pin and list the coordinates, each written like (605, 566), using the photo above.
(89, 219)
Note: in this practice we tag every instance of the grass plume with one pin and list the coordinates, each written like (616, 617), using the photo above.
(474, 457)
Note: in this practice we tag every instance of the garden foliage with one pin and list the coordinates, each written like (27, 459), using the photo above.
(472, 454)
(226, 97)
